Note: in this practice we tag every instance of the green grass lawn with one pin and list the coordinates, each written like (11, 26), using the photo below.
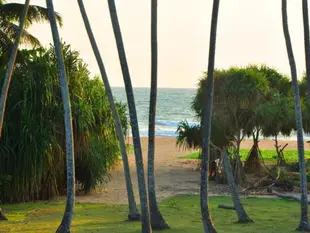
(268, 155)
(181, 212)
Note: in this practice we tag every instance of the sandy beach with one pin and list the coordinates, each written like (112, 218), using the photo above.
(173, 176)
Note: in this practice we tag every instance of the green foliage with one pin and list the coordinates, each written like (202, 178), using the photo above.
(271, 215)
(33, 142)
(246, 100)
(276, 116)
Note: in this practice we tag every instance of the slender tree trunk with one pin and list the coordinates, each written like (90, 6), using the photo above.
(206, 218)
(307, 43)
(157, 220)
(67, 218)
(242, 215)
(9, 73)
(145, 214)
(10, 68)
(133, 212)
(303, 225)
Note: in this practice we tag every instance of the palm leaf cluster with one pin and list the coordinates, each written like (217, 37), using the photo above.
(9, 17)
(33, 143)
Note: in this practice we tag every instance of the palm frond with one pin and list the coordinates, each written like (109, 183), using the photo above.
(11, 29)
(36, 14)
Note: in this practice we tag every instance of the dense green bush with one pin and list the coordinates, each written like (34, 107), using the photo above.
(33, 143)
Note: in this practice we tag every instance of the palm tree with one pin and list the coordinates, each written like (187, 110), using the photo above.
(307, 42)
(206, 218)
(303, 225)
(145, 214)
(242, 215)
(9, 14)
(9, 73)
(157, 220)
(133, 212)
(67, 218)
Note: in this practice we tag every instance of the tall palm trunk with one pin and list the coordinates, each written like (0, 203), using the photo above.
(157, 220)
(67, 218)
(133, 212)
(9, 74)
(242, 215)
(307, 43)
(145, 214)
(206, 218)
(303, 225)
(10, 68)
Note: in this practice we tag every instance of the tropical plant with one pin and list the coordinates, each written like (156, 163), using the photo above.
(8, 75)
(277, 116)
(145, 213)
(207, 120)
(303, 225)
(67, 218)
(157, 220)
(305, 12)
(133, 212)
(9, 72)
(10, 14)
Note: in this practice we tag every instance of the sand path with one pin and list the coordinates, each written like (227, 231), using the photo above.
(173, 176)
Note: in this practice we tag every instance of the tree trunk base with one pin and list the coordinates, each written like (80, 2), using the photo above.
(134, 217)
(245, 220)
(2, 216)
(158, 222)
(303, 227)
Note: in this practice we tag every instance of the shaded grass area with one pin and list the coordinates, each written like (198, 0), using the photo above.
(268, 155)
(181, 212)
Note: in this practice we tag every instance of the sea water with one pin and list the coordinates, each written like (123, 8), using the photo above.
(173, 106)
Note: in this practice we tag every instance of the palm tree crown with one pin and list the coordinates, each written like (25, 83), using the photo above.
(9, 16)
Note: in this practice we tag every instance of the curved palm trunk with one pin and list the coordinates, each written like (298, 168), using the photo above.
(307, 43)
(242, 215)
(9, 72)
(145, 215)
(303, 225)
(67, 218)
(157, 220)
(133, 212)
(206, 218)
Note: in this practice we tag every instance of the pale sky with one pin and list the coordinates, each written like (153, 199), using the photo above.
(249, 31)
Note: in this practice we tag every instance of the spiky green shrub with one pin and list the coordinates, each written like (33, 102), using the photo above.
(33, 143)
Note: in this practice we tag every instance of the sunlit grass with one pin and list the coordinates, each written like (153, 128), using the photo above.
(181, 212)
(268, 155)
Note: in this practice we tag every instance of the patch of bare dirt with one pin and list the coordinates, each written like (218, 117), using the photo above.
(173, 176)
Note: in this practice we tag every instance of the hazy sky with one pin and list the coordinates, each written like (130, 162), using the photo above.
(249, 31)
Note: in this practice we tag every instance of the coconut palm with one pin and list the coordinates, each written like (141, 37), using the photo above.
(67, 218)
(9, 14)
(145, 215)
(157, 220)
(133, 212)
(9, 73)
(303, 225)
(307, 42)
(206, 218)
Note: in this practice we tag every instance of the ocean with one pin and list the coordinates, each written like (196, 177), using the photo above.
(173, 106)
